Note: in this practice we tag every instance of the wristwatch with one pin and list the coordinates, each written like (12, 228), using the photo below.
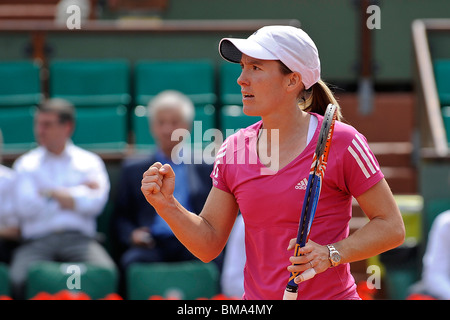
(334, 257)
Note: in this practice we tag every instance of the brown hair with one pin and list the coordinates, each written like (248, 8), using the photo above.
(318, 100)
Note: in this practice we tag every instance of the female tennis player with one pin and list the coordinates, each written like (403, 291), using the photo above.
(280, 82)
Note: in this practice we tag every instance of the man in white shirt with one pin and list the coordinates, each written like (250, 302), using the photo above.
(60, 190)
(9, 229)
(436, 261)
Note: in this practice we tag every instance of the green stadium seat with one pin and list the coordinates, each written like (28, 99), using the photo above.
(195, 78)
(432, 208)
(101, 129)
(16, 124)
(144, 140)
(91, 82)
(232, 117)
(442, 75)
(207, 115)
(446, 117)
(52, 277)
(4, 280)
(230, 91)
(187, 280)
(20, 83)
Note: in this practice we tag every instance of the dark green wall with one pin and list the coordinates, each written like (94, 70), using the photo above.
(333, 24)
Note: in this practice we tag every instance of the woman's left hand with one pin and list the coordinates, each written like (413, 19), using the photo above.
(313, 256)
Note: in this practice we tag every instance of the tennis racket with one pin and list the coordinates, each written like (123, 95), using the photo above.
(316, 174)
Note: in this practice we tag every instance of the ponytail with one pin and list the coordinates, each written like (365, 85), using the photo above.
(319, 99)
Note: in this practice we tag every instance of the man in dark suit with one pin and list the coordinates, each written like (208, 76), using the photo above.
(143, 235)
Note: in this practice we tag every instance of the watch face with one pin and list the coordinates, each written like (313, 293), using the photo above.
(335, 257)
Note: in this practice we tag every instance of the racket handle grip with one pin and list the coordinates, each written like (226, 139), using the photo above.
(290, 293)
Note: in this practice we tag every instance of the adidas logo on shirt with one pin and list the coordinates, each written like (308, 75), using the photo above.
(302, 184)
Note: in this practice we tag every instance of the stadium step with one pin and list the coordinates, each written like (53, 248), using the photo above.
(388, 129)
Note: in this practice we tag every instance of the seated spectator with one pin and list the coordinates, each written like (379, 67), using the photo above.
(9, 229)
(144, 236)
(61, 189)
(436, 261)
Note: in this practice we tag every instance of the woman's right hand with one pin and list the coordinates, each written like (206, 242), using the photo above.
(158, 184)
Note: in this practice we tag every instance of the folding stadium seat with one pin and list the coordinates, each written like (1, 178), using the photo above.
(16, 124)
(187, 280)
(101, 129)
(442, 75)
(207, 115)
(194, 78)
(446, 116)
(143, 140)
(232, 117)
(91, 83)
(432, 208)
(4, 280)
(52, 277)
(20, 92)
(100, 91)
(230, 91)
(20, 83)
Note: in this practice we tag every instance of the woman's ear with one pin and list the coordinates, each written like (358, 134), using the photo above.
(295, 82)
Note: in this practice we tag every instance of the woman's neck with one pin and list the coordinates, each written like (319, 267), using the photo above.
(284, 134)
(292, 124)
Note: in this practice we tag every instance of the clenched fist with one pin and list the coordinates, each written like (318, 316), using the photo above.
(158, 184)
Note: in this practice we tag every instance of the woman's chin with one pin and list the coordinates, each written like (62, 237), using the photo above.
(249, 111)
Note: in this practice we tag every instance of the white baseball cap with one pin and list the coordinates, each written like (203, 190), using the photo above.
(290, 45)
